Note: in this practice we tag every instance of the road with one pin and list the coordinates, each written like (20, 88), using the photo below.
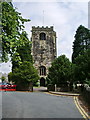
(38, 105)
(0, 105)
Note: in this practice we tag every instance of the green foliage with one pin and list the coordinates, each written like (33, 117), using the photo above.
(60, 71)
(23, 52)
(16, 44)
(10, 76)
(81, 55)
(82, 69)
(81, 42)
(24, 49)
(24, 74)
(23, 71)
(87, 81)
(16, 60)
(3, 78)
(12, 27)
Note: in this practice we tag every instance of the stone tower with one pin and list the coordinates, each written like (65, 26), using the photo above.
(43, 50)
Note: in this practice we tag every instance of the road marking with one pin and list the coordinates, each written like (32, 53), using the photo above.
(81, 110)
(52, 94)
(57, 94)
(64, 93)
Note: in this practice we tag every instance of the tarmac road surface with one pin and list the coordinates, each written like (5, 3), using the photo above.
(0, 105)
(38, 105)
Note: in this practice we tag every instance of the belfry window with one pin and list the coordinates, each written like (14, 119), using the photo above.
(42, 36)
(42, 70)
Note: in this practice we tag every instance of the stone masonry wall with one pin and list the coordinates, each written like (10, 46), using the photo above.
(43, 51)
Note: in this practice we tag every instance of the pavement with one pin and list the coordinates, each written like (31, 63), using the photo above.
(44, 89)
(75, 96)
(38, 105)
(84, 113)
(0, 105)
(41, 91)
(64, 93)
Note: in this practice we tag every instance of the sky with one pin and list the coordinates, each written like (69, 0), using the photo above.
(66, 17)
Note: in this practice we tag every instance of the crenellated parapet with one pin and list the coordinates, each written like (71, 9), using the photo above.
(42, 28)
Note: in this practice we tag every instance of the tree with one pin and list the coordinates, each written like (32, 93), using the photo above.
(60, 71)
(23, 52)
(10, 77)
(22, 58)
(81, 55)
(81, 42)
(12, 27)
(16, 44)
(82, 69)
(23, 75)
(3, 78)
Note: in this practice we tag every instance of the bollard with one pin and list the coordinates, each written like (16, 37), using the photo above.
(55, 88)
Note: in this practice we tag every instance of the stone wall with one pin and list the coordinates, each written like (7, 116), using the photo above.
(43, 51)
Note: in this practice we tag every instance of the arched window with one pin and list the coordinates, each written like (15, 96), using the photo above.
(42, 70)
(42, 36)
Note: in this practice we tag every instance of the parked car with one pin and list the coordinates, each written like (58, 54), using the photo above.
(4, 86)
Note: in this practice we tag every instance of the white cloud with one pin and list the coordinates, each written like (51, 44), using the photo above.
(5, 67)
(65, 16)
(50, 0)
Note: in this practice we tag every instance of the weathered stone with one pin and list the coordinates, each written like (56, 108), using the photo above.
(43, 48)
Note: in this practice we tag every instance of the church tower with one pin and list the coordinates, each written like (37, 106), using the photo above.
(43, 50)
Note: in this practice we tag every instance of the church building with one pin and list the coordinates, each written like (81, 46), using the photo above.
(43, 50)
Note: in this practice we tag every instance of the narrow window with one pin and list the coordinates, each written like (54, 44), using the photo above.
(42, 36)
(42, 70)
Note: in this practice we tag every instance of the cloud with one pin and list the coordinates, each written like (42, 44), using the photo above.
(49, 1)
(64, 16)
(5, 67)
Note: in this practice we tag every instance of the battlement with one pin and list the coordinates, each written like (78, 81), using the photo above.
(42, 28)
